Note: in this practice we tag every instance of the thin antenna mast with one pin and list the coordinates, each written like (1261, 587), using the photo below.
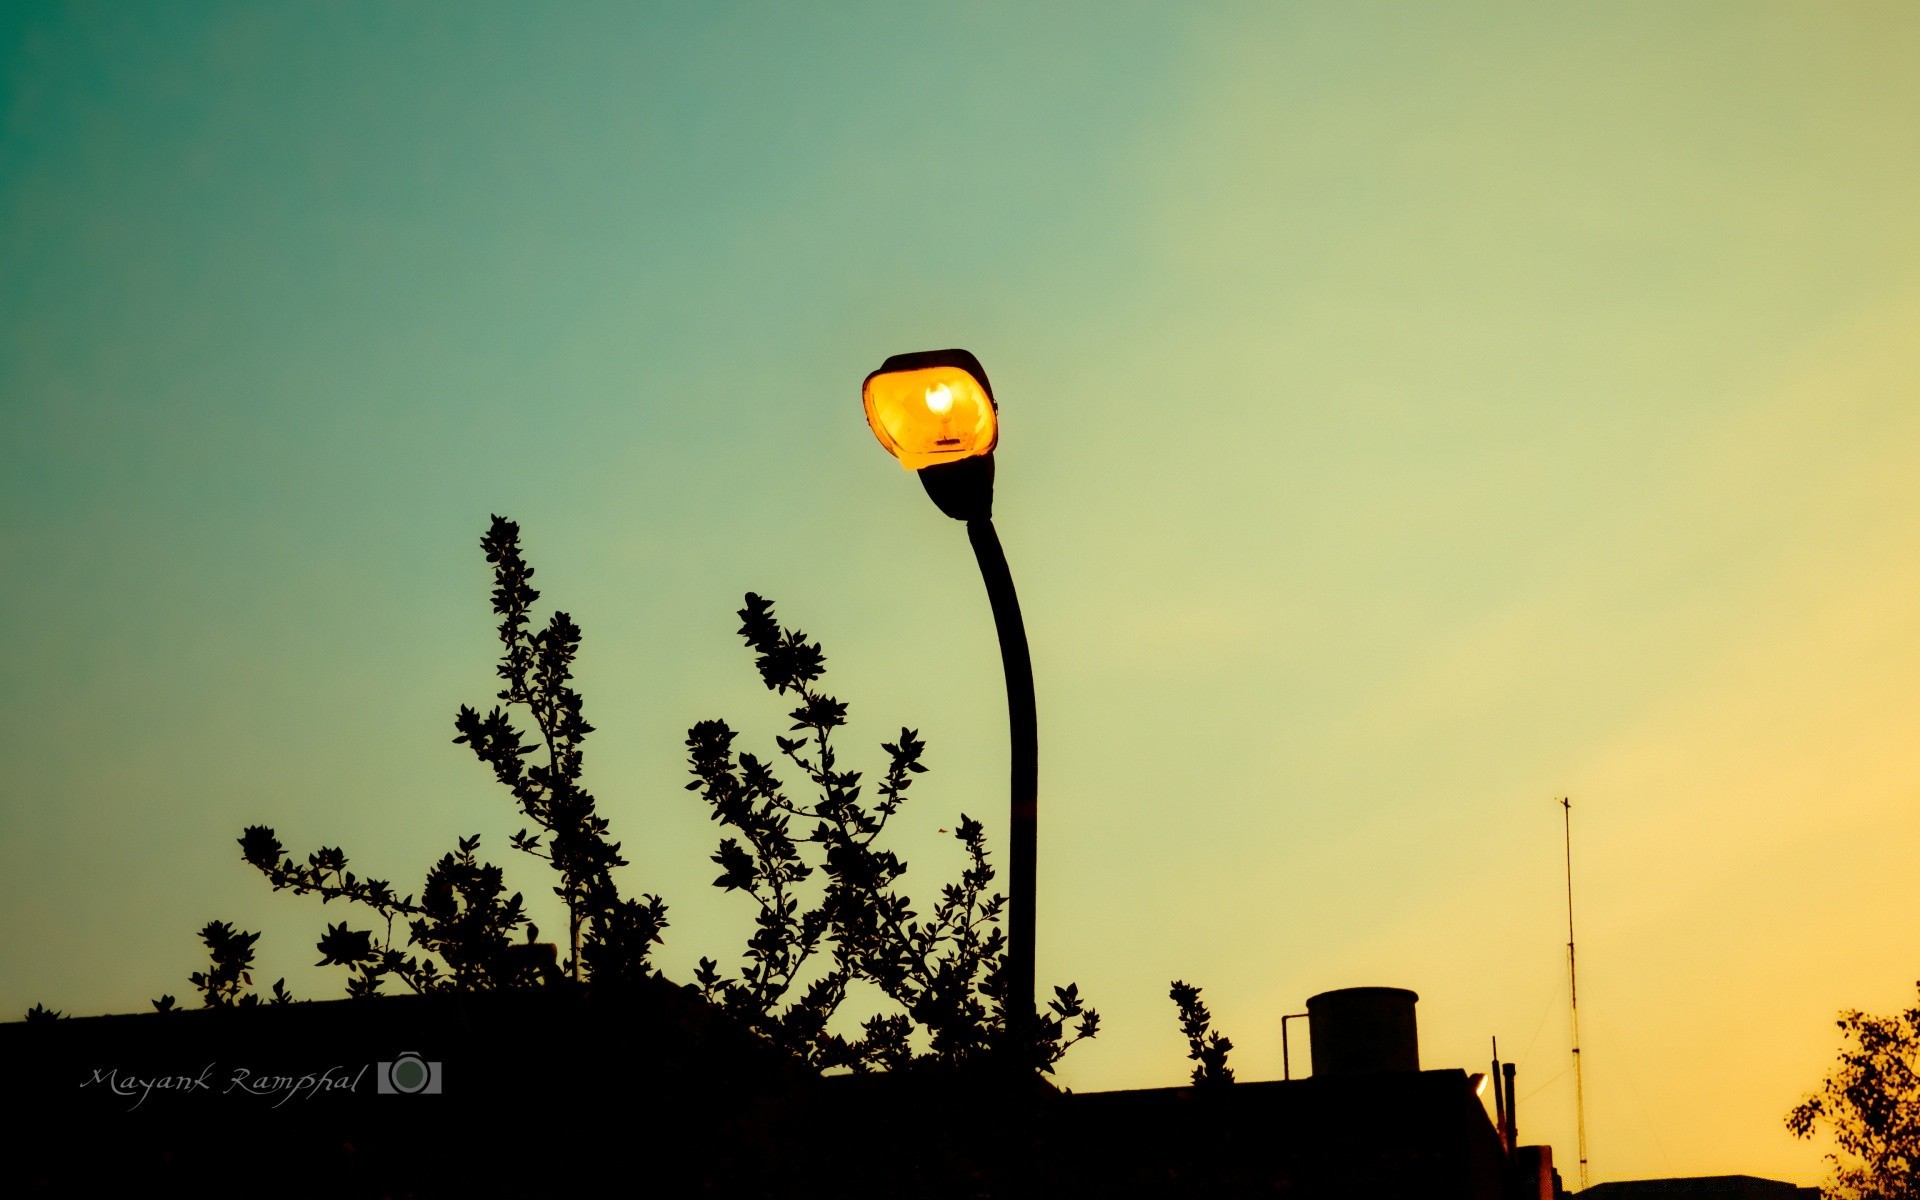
(1573, 992)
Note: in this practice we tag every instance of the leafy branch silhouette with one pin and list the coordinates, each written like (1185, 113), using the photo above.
(1206, 1047)
(231, 971)
(610, 938)
(463, 924)
(946, 972)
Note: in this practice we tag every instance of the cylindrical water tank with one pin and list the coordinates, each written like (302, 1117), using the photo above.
(1357, 1031)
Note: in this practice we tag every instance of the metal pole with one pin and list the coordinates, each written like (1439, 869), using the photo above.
(1023, 729)
(1573, 994)
(1286, 1055)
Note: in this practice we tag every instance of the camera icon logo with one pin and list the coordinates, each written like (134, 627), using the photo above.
(407, 1075)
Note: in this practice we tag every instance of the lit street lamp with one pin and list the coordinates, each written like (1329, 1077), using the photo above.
(934, 411)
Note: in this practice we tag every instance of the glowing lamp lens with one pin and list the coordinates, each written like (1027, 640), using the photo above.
(929, 416)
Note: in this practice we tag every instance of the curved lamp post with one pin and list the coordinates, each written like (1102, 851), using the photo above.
(934, 411)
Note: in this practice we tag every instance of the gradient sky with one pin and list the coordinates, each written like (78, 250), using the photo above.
(1410, 415)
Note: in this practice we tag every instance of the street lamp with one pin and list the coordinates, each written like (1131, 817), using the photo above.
(934, 411)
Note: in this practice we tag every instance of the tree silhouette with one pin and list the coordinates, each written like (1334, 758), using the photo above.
(611, 938)
(1871, 1102)
(463, 924)
(946, 972)
(831, 905)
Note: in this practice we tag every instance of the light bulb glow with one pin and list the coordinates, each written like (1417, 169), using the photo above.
(940, 399)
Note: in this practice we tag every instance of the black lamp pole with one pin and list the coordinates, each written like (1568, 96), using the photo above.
(1023, 728)
(963, 489)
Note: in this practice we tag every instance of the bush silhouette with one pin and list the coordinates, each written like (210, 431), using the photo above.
(831, 904)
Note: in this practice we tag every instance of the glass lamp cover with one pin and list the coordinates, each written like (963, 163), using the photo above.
(932, 415)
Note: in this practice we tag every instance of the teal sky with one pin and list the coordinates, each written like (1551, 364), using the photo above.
(1409, 415)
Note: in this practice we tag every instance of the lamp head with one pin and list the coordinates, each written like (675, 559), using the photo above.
(934, 411)
(931, 407)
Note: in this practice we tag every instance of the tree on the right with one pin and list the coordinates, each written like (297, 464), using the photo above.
(1871, 1104)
